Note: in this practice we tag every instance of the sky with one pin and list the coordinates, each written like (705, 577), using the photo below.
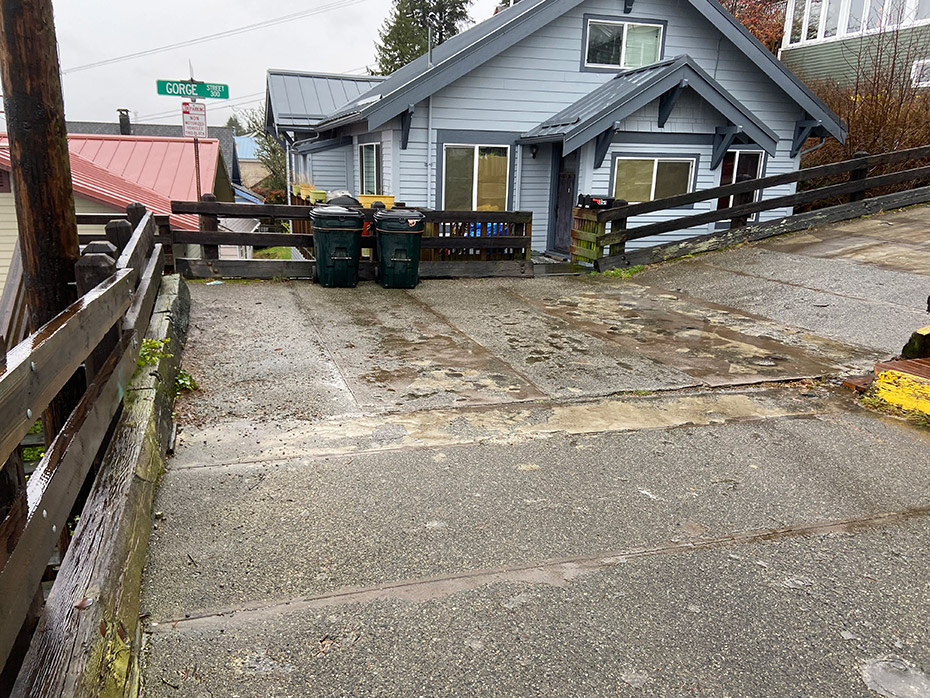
(338, 37)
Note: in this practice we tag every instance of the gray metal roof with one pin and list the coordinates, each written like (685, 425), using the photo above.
(631, 90)
(224, 134)
(464, 52)
(451, 59)
(297, 101)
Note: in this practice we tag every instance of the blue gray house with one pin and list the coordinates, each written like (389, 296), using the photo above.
(638, 99)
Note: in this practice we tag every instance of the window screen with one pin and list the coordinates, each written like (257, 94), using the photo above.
(491, 192)
(459, 178)
(642, 45)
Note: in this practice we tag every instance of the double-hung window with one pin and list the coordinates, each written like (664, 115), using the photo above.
(645, 179)
(616, 44)
(369, 169)
(475, 177)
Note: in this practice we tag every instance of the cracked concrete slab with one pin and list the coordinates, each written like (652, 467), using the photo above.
(799, 616)
(266, 531)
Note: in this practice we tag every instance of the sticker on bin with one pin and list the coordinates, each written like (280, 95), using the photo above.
(412, 222)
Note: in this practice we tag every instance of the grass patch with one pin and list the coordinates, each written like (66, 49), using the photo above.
(873, 402)
(623, 272)
(272, 253)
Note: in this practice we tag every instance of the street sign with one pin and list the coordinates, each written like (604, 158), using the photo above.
(190, 88)
(194, 119)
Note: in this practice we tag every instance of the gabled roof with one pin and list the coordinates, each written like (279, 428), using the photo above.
(244, 195)
(104, 186)
(468, 50)
(296, 101)
(163, 165)
(631, 90)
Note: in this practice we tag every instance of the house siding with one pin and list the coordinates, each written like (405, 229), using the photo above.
(327, 169)
(838, 61)
(536, 190)
(9, 227)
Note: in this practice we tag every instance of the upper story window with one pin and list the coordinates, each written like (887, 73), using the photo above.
(920, 73)
(819, 20)
(616, 44)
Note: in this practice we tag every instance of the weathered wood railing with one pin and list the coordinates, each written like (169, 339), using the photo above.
(455, 243)
(592, 242)
(99, 336)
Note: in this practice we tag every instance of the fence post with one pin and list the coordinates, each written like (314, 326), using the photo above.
(97, 264)
(167, 240)
(617, 225)
(209, 224)
(858, 175)
(118, 232)
(739, 199)
(135, 212)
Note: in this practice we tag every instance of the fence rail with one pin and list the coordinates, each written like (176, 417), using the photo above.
(454, 243)
(97, 337)
(592, 242)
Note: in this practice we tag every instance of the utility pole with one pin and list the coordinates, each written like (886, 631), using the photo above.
(41, 169)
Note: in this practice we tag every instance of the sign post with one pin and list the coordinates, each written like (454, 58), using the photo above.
(194, 125)
(193, 113)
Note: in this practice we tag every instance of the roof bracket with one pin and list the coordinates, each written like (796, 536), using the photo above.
(406, 118)
(668, 101)
(803, 129)
(601, 144)
(627, 6)
(723, 139)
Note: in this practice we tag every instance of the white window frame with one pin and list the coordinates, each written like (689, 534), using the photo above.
(474, 179)
(361, 166)
(916, 68)
(626, 28)
(907, 19)
(655, 172)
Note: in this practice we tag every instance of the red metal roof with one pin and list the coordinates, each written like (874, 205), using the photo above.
(164, 165)
(99, 183)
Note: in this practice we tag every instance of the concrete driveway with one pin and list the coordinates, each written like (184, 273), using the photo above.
(566, 486)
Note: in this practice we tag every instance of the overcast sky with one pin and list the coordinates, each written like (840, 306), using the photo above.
(338, 39)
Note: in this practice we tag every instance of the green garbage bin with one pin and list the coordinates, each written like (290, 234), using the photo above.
(337, 244)
(399, 234)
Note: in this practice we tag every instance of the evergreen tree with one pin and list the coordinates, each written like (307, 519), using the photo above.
(403, 36)
(234, 123)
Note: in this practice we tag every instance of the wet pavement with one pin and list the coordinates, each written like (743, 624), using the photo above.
(552, 487)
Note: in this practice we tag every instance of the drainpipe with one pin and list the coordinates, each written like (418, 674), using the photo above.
(517, 174)
(430, 165)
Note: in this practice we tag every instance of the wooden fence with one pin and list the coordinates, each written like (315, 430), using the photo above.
(97, 340)
(592, 242)
(454, 244)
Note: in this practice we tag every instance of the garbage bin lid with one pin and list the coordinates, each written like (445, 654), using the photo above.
(398, 214)
(335, 212)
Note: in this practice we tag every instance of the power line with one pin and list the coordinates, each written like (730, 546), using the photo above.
(238, 102)
(218, 35)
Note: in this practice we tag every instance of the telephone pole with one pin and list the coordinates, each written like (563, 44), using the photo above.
(41, 170)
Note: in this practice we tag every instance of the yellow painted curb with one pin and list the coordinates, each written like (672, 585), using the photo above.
(907, 392)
